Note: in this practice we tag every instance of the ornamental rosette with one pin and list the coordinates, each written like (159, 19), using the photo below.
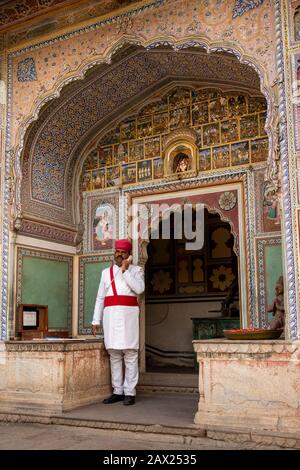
(227, 201)
(161, 282)
(222, 278)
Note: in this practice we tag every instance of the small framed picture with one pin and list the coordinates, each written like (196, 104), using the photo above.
(144, 171)
(218, 109)
(262, 123)
(128, 130)
(240, 153)
(152, 147)
(179, 118)
(256, 103)
(199, 113)
(211, 134)
(106, 155)
(221, 157)
(113, 176)
(86, 182)
(259, 150)
(249, 126)
(205, 160)
(98, 179)
(129, 174)
(136, 150)
(144, 127)
(158, 168)
(229, 131)
(121, 153)
(30, 319)
(237, 105)
(91, 162)
(160, 123)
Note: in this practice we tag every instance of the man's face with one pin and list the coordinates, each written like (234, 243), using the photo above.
(120, 255)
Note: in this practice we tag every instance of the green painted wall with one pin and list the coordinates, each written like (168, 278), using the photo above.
(273, 269)
(92, 276)
(46, 282)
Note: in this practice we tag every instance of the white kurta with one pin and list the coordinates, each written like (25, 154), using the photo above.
(120, 323)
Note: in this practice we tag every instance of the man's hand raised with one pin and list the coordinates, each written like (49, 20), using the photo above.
(125, 265)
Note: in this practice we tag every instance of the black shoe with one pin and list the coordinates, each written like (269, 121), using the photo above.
(113, 399)
(129, 400)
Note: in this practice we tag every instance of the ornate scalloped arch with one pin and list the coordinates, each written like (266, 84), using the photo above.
(202, 43)
(183, 44)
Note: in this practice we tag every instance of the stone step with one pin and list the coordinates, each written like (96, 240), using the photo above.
(223, 438)
(188, 434)
(158, 382)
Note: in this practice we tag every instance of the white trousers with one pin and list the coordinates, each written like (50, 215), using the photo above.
(124, 383)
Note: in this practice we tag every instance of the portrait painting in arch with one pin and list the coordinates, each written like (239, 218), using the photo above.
(103, 228)
(180, 159)
(181, 163)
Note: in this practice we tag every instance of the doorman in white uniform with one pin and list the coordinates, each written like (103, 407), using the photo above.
(118, 310)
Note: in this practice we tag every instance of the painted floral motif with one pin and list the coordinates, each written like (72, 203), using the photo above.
(27, 70)
(227, 201)
(242, 6)
(222, 278)
(161, 281)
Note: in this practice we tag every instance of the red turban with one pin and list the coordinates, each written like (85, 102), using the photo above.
(125, 245)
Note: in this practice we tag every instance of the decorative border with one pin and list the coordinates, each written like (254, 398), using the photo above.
(249, 349)
(52, 256)
(289, 228)
(296, 107)
(243, 6)
(91, 27)
(47, 232)
(49, 346)
(261, 244)
(90, 202)
(83, 260)
(250, 220)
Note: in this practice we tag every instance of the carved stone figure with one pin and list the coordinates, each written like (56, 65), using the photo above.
(277, 306)
(228, 305)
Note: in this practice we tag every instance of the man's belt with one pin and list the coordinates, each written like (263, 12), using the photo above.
(119, 300)
(114, 300)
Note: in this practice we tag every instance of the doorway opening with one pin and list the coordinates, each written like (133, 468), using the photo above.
(188, 293)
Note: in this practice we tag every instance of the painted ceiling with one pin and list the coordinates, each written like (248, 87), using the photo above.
(14, 12)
